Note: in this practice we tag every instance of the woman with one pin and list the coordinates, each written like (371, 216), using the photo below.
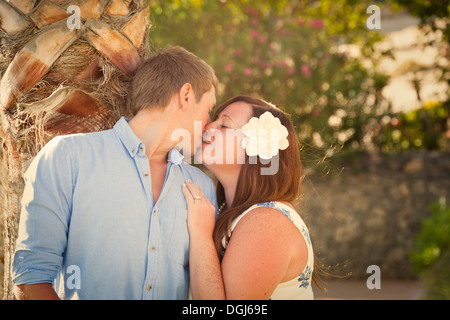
(259, 247)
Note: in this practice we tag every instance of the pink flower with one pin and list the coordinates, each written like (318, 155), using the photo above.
(280, 63)
(251, 11)
(254, 34)
(300, 22)
(229, 67)
(255, 59)
(265, 64)
(395, 122)
(306, 71)
(248, 72)
(231, 27)
(238, 51)
(290, 71)
(315, 112)
(317, 23)
(262, 39)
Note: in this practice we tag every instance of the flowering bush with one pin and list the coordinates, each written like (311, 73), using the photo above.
(423, 128)
(431, 255)
(287, 53)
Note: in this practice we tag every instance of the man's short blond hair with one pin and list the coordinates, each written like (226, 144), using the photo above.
(163, 74)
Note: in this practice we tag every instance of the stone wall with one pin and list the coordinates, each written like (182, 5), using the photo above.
(370, 213)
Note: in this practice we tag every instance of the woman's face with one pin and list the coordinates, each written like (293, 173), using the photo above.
(223, 137)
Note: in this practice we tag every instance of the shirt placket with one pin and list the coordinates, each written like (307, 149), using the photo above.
(153, 254)
(143, 168)
(152, 257)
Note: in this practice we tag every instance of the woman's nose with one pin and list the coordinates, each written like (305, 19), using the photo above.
(207, 134)
(210, 133)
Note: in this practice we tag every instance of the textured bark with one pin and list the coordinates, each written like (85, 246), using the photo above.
(58, 80)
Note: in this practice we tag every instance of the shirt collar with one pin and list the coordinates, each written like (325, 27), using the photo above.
(129, 139)
(133, 144)
(175, 156)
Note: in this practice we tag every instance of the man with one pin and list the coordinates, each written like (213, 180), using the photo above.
(105, 210)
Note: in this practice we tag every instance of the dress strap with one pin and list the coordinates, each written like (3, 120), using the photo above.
(283, 208)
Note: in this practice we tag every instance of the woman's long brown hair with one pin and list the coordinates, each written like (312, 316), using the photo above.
(252, 187)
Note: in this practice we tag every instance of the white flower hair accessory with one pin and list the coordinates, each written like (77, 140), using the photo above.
(264, 136)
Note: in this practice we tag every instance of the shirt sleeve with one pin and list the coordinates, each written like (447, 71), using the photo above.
(210, 192)
(45, 215)
(213, 196)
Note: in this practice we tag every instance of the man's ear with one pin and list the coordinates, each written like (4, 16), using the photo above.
(186, 94)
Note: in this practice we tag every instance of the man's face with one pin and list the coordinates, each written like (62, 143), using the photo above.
(204, 107)
(199, 117)
(203, 110)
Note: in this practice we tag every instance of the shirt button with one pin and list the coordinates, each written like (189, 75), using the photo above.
(149, 287)
(141, 149)
(154, 212)
(146, 173)
(153, 249)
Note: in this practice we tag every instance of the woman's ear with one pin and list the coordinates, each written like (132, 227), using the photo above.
(186, 93)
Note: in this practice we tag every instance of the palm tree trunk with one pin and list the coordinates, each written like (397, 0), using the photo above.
(56, 79)
(11, 192)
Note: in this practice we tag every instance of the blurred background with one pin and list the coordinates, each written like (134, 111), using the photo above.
(371, 108)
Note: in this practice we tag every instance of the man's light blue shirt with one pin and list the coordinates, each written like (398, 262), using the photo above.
(88, 217)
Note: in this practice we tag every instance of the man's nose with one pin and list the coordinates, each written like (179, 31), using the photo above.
(209, 125)
(208, 120)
